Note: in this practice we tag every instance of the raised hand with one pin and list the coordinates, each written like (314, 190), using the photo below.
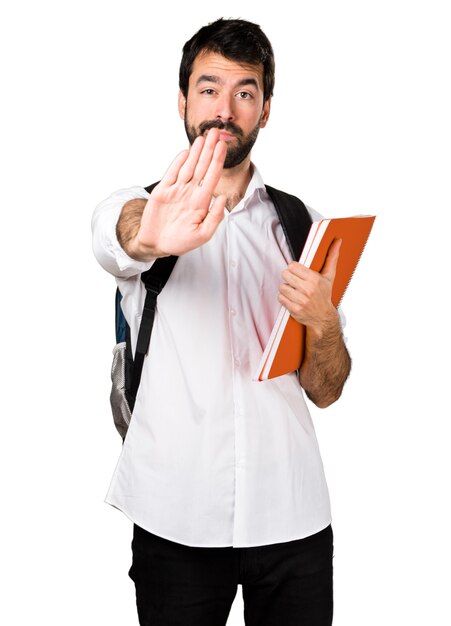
(178, 216)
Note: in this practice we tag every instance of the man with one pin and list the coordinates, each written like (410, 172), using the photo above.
(221, 475)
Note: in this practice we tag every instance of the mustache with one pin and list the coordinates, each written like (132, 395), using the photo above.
(230, 127)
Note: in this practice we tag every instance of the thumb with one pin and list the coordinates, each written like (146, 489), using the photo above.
(330, 264)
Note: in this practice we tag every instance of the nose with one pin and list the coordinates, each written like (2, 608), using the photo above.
(224, 108)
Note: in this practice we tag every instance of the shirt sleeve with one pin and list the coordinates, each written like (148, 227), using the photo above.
(106, 247)
(315, 215)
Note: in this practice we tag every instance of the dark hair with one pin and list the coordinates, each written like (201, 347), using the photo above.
(238, 40)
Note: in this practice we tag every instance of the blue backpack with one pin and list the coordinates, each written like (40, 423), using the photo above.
(126, 370)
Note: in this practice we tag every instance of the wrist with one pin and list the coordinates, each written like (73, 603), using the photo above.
(327, 327)
(130, 236)
(140, 251)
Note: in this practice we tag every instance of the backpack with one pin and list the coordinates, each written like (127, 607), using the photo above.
(126, 370)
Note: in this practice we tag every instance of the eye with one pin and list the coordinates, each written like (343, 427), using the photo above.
(208, 92)
(244, 95)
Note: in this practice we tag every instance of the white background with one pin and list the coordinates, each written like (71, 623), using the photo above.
(360, 123)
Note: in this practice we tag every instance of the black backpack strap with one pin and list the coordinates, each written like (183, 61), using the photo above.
(294, 218)
(154, 280)
(122, 330)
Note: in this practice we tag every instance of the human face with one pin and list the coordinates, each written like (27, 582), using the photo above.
(227, 95)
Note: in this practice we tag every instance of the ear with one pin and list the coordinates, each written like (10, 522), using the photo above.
(182, 105)
(265, 113)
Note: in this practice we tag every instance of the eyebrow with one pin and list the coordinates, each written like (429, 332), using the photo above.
(211, 78)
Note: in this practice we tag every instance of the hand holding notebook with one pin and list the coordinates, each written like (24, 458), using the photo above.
(307, 293)
(285, 348)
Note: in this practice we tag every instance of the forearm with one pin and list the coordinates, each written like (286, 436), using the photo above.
(128, 230)
(326, 363)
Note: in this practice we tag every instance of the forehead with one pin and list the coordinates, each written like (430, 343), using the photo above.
(214, 64)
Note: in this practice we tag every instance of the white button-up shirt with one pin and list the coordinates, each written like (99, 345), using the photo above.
(211, 457)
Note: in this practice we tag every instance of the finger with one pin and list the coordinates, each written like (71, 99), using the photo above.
(187, 170)
(213, 173)
(295, 271)
(290, 279)
(172, 172)
(330, 265)
(289, 292)
(206, 155)
(288, 302)
(214, 217)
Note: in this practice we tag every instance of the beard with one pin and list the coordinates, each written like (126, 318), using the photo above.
(236, 153)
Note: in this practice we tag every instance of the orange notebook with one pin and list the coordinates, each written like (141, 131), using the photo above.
(285, 349)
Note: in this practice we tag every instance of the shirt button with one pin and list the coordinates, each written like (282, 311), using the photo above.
(237, 362)
(233, 263)
(232, 312)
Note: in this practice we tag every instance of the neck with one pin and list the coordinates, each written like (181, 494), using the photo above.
(234, 182)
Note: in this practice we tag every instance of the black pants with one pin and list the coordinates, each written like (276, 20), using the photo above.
(284, 584)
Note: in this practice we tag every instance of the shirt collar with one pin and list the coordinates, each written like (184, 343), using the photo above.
(255, 184)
